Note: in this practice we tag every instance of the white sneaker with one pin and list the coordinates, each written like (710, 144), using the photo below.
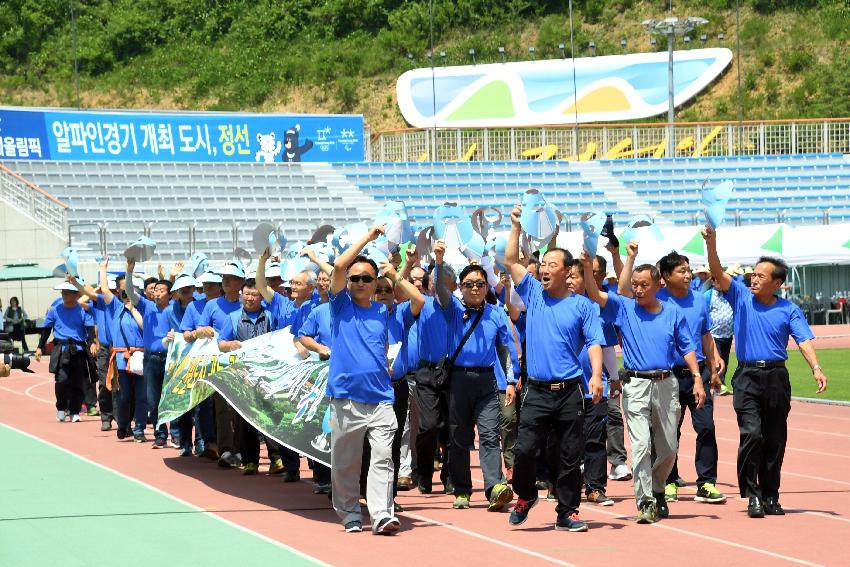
(60, 415)
(75, 418)
(620, 472)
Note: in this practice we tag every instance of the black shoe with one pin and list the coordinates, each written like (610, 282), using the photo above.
(755, 508)
(423, 489)
(397, 507)
(772, 507)
(105, 425)
(448, 487)
(120, 433)
(661, 505)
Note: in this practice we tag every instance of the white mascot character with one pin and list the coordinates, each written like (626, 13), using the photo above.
(269, 149)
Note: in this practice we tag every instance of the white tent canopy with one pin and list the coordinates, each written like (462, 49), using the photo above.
(797, 245)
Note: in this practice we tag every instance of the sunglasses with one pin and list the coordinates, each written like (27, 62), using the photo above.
(476, 285)
(383, 290)
(364, 279)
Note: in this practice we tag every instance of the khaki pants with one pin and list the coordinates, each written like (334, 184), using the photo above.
(351, 423)
(651, 408)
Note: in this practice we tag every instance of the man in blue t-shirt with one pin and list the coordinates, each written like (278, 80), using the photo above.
(676, 271)
(73, 331)
(560, 323)
(654, 335)
(761, 386)
(361, 392)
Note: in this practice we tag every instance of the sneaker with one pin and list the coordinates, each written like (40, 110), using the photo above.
(353, 527)
(250, 469)
(276, 467)
(139, 437)
(671, 492)
(520, 512)
(448, 487)
(500, 496)
(199, 447)
(724, 390)
(121, 433)
(92, 412)
(461, 502)
(292, 476)
(424, 489)
(404, 483)
(648, 513)
(174, 443)
(322, 488)
(105, 425)
(681, 482)
(708, 493)
(159, 443)
(75, 418)
(599, 498)
(620, 472)
(661, 508)
(60, 415)
(229, 460)
(387, 526)
(571, 523)
(186, 451)
(551, 495)
(541, 485)
(397, 507)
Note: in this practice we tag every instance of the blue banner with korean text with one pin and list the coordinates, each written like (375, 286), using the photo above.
(181, 137)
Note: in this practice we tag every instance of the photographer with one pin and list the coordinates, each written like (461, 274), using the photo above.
(14, 322)
(73, 331)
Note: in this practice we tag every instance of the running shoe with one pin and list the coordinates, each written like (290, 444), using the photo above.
(387, 526)
(708, 493)
(461, 502)
(648, 513)
(250, 469)
(520, 512)
(599, 498)
(671, 492)
(571, 523)
(500, 496)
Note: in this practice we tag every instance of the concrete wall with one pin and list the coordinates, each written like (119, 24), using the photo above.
(24, 240)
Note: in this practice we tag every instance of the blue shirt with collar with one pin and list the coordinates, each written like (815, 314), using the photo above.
(318, 325)
(651, 341)
(69, 323)
(762, 331)
(358, 365)
(284, 311)
(695, 309)
(155, 324)
(190, 319)
(217, 312)
(244, 325)
(432, 332)
(301, 314)
(556, 331)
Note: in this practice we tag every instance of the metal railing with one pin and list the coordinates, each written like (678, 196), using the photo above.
(31, 200)
(613, 141)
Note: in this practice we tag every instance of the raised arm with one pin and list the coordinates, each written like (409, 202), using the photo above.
(340, 273)
(624, 285)
(326, 268)
(516, 269)
(175, 270)
(86, 291)
(723, 279)
(593, 291)
(262, 283)
(128, 282)
(444, 296)
(617, 260)
(103, 276)
(417, 300)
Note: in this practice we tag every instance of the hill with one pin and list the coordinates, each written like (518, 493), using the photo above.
(345, 55)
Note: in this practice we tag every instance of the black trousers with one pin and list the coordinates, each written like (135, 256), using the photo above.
(762, 401)
(561, 413)
(724, 347)
(104, 396)
(433, 406)
(70, 378)
(705, 456)
(249, 441)
(595, 445)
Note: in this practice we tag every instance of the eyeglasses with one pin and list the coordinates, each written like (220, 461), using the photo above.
(364, 278)
(476, 285)
(383, 290)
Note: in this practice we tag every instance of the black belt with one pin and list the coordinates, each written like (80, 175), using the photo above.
(763, 364)
(151, 353)
(473, 369)
(554, 386)
(684, 369)
(647, 374)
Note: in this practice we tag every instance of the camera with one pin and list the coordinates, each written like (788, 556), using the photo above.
(9, 356)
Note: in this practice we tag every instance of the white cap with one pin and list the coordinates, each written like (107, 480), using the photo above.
(232, 269)
(273, 270)
(209, 277)
(66, 286)
(183, 280)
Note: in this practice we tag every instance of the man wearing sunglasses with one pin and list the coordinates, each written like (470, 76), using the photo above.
(361, 391)
(473, 388)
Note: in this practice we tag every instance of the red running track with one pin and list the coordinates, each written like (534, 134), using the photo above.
(815, 493)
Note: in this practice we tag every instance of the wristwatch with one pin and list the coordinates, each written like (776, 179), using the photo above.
(816, 367)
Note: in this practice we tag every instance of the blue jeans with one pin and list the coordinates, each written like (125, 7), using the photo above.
(130, 386)
(154, 377)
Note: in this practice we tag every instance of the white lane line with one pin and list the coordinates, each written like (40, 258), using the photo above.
(798, 429)
(818, 514)
(171, 496)
(28, 393)
(12, 391)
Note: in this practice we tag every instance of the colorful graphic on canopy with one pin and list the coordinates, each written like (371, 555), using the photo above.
(527, 93)
(774, 243)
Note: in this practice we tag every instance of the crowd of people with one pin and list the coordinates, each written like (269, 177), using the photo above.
(525, 355)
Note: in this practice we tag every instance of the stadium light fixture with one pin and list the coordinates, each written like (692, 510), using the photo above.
(411, 59)
(502, 53)
(531, 51)
(652, 41)
(472, 55)
(669, 28)
(592, 46)
(721, 36)
(686, 39)
(623, 44)
(443, 57)
(703, 38)
(563, 50)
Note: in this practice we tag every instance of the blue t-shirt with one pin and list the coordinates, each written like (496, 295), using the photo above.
(762, 331)
(587, 374)
(695, 308)
(358, 366)
(432, 332)
(556, 331)
(155, 325)
(123, 325)
(480, 348)
(408, 356)
(401, 322)
(283, 310)
(190, 319)
(302, 313)
(103, 320)
(69, 323)
(217, 312)
(174, 313)
(650, 341)
(318, 325)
